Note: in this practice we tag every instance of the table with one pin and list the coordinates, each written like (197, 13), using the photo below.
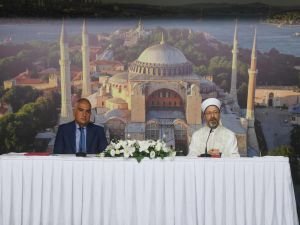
(65, 190)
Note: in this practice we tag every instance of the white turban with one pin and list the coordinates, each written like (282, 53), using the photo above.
(209, 102)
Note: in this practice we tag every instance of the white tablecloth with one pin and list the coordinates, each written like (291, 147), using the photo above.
(59, 190)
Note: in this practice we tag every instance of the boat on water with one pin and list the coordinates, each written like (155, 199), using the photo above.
(297, 34)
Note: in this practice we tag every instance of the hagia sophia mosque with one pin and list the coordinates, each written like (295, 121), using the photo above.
(159, 97)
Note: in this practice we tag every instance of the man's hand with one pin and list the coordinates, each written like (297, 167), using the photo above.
(214, 152)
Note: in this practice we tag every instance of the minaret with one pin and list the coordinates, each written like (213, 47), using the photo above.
(235, 52)
(86, 84)
(190, 33)
(66, 114)
(140, 28)
(252, 82)
(253, 147)
(140, 25)
(162, 38)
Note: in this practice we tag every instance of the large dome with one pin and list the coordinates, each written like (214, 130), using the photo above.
(161, 60)
(162, 54)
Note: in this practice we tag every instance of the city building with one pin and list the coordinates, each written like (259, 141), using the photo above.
(108, 67)
(295, 114)
(26, 79)
(277, 96)
(132, 36)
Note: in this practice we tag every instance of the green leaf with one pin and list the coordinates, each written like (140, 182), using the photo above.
(139, 158)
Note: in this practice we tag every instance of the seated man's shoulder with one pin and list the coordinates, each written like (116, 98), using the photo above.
(66, 125)
(200, 131)
(96, 127)
(227, 131)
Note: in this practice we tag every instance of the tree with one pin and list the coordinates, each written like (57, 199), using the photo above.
(47, 114)
(282, 151)
(18, 96)
(25, 126)
(222, 79)
(76, 58)
(2, 91)
(219, 64)
(53, 58)
(242, 94)
(295, 139)
(242, 73)
(200, 70)
(5, 132)
(18, 130)
(225, 84)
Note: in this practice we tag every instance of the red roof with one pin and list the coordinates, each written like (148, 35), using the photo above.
(75, 68)
(106, 62)
(96, 49)
(48, 71)
(76, 76)
(23, 75)
(29, 81)
(24, 78)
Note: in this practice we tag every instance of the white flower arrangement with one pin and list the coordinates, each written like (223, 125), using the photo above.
(138, 149)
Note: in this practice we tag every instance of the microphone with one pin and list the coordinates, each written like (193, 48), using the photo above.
(80, 154)
(206, 154)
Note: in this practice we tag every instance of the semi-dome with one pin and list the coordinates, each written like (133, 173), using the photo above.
(119, 78)
(161, 60)
(117, 113)
(116, 103)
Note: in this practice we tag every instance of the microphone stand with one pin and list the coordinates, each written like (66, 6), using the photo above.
(206, 154)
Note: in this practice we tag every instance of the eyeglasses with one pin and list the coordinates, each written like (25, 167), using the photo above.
(215, 113)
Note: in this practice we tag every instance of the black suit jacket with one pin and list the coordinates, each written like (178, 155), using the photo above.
(65, 141)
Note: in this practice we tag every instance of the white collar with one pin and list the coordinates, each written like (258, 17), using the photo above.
(77, 126)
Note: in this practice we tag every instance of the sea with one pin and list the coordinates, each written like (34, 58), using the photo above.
(281, 37)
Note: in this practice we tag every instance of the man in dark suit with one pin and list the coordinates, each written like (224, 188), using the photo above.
(80, 135)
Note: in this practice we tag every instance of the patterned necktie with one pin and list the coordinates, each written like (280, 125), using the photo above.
(81, 140)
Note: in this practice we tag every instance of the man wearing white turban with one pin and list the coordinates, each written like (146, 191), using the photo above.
(217, 139)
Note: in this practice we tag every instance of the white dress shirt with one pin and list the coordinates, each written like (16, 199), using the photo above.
(220, 138)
